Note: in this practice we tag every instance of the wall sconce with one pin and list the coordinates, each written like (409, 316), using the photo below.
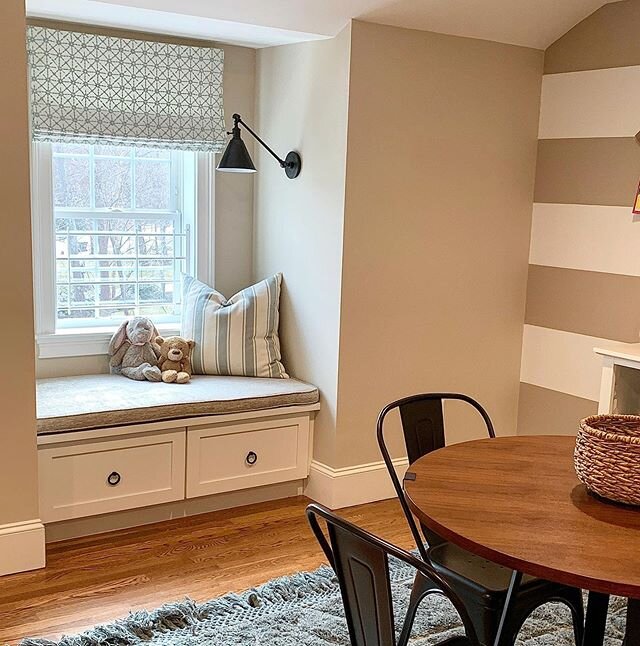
(236, 157)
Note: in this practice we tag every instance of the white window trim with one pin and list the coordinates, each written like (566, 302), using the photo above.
(77, 342)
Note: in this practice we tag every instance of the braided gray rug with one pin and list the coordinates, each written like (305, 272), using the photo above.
(306, 610)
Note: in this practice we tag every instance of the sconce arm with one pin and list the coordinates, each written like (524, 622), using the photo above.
(237, 119)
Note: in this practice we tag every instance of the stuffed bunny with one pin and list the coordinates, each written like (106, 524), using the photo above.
(133, 350)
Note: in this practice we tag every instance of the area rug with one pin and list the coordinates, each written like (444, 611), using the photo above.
(306, 610)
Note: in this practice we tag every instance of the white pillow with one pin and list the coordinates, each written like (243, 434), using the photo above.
(238, 336)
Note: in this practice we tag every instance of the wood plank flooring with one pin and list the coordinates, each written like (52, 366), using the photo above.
(100, 578)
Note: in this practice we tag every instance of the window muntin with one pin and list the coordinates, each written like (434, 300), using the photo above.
(122, 233)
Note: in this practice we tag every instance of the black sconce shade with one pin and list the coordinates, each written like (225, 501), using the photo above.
(236, 157)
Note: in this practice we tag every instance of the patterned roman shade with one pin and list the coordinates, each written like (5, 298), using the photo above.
(91, 88)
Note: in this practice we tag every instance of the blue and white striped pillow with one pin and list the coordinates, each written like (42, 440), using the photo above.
(238, 336)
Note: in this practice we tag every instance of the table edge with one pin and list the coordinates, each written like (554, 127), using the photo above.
(526, 567)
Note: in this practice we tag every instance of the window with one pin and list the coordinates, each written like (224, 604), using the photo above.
(121, 240)
(114, 229)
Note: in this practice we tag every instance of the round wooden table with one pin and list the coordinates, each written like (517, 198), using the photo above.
(517, 501)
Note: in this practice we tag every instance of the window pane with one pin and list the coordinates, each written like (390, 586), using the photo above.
(62, 247)
(111, 151)
(105, 271)
(128, 263)
(156, 270)
(155, 245)
(71, 183)
(155, 293)
(153, 185)
(63, 295)
(156, 310)
(62, 271)
(115, 267)
(77, 149)
(113, 183)
(153, 153)
(122, 294)
(82, 295)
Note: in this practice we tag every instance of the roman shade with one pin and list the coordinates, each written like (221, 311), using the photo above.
(92, 88)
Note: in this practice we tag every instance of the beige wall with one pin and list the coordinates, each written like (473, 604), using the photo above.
(428, 285)
(440, 174)
(234, 193)
(584, 274)
(302, 93)
(607, 38)
(18, 471)
(233, 208)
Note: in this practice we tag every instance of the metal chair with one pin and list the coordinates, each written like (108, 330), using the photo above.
(481, 584)
(360, 561)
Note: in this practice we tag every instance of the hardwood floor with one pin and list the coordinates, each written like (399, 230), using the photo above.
(100, 578)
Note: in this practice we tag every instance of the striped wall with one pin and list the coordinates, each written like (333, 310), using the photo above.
(584, 272)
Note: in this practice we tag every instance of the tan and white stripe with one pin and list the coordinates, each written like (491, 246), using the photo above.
(589, 238)
(238, 336)
(584, 272)
(593, 103)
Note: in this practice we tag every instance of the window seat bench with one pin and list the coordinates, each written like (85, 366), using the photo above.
(108, 444)
(99, 401)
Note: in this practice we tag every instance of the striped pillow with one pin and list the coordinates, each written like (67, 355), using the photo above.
(238, 336)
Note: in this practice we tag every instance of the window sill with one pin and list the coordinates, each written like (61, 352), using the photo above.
(84, 342)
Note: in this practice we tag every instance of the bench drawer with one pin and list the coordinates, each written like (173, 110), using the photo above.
(238, 456)
(97, 477)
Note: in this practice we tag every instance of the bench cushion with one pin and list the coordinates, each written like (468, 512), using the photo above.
(98, 401)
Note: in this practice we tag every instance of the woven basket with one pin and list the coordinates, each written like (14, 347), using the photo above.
(607, 456)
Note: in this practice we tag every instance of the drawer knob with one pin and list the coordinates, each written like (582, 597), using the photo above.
(251, 458)
(114, 478)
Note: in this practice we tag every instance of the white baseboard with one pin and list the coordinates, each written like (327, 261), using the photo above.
(21, 546)
(348, 486)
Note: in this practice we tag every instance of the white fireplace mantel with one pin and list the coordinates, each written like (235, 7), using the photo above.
(620, 381)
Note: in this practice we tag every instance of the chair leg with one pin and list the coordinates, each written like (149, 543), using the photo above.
(486, 622)
(506, 633)
(596, 619)
(632, 635)
(486, 628)
(421, 586)
(577, 616)
(572, 601)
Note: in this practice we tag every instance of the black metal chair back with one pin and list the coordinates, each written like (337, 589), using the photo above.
(360, 561)
(423, 429)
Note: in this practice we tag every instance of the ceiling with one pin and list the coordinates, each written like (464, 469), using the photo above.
(260, 23)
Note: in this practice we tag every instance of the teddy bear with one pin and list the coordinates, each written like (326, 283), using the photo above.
(175, 359)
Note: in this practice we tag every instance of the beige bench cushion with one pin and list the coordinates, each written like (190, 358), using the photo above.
(97, 401)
